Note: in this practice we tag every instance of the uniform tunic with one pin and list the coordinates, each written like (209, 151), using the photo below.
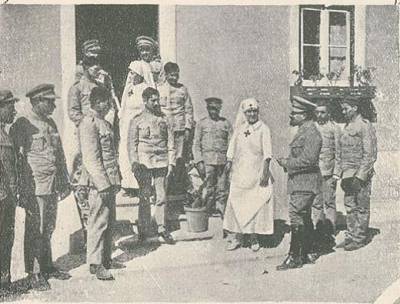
(151, 144)
(249, 208)
(132, 105)
(44, 177)
(99, 158)
(357, 155)
(211, 141)
(8, 193)
(324, 206)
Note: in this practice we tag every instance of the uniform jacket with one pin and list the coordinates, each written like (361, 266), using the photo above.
(151, 141)
(357, 150)
(330, 133)
(99, 156)
(8, 169)
(176, 104)
(42, 165)
(303, 162)
(211, 140)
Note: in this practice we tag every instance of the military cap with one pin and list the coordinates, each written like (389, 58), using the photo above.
(301, 105)
(213, 101)
(145, 40)
(45, 90)
(7, 96)
(91, 47)
(352, 100)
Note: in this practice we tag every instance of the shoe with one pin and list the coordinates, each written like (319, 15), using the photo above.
(103, 274)
(353, 246)
(290, 262)
(344, 243)
(233, 245)
(167, 238)
(294, 258)
(93, 268)
(255, 247)
(114, 265)
(38, 282)
(310, 258)
(56, 273)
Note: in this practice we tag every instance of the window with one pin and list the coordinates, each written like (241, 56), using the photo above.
(327, 43)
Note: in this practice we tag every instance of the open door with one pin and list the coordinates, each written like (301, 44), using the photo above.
(116, 26)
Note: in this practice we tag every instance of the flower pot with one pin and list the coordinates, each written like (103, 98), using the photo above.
(197, 219)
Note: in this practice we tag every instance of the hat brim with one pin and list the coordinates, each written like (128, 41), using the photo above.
(8, 100)
(51, 96)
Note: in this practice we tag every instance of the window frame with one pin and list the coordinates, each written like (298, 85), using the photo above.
(324, 44)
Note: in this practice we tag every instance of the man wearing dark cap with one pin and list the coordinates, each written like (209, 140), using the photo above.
(357, 155)
(99, 159)
(304, 182)
(43, 180)
(324, 206)
(91, 51)
(8, 186)
(211, 141)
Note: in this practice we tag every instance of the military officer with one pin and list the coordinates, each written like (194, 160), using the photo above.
(99, 159)
(152, 156)
(8, 186)
(356, 157)
(324, 206)
(304, 182)
(43, 180)
(211, 141)
(91, 51)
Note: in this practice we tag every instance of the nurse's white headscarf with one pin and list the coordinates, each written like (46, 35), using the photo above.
(246, 104)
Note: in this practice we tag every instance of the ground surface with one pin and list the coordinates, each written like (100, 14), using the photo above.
(198, 268)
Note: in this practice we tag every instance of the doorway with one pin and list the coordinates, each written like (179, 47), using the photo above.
(116, 27)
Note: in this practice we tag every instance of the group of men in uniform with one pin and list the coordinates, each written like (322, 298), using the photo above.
(320, 155)
(31, 154)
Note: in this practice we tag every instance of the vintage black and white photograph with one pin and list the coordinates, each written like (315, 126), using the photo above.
(200, 152)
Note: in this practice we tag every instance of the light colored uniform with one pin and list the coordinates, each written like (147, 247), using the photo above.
(210, 145)
(356, 157)
(151, 144)
(100, 163)
(44, 176)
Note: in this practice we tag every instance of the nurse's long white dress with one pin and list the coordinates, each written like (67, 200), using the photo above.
(250, 207)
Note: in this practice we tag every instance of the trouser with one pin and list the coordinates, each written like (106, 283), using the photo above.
(300, 203)
(7, 225)
(146, 178)
(178, 182)
(324, 206)
(99, 227)
(40, 222)
(358, 213)
(216, 188)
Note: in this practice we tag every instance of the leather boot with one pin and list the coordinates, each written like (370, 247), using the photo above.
(310, 242)
(294, 258)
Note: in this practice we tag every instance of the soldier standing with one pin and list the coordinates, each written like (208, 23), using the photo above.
(8, 187)
(152, 157)
(99, 159)
(304, 183)
(43, 180)
(357, 155)
(324, 206)
(211, 141)
(176, 104)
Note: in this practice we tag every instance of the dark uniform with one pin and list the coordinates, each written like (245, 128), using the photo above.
(210, 145)
(43, 180)
(8, 195)
(304, 183)
(357, 155)
(103, 177)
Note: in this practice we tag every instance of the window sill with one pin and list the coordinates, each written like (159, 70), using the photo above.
(332, 92)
